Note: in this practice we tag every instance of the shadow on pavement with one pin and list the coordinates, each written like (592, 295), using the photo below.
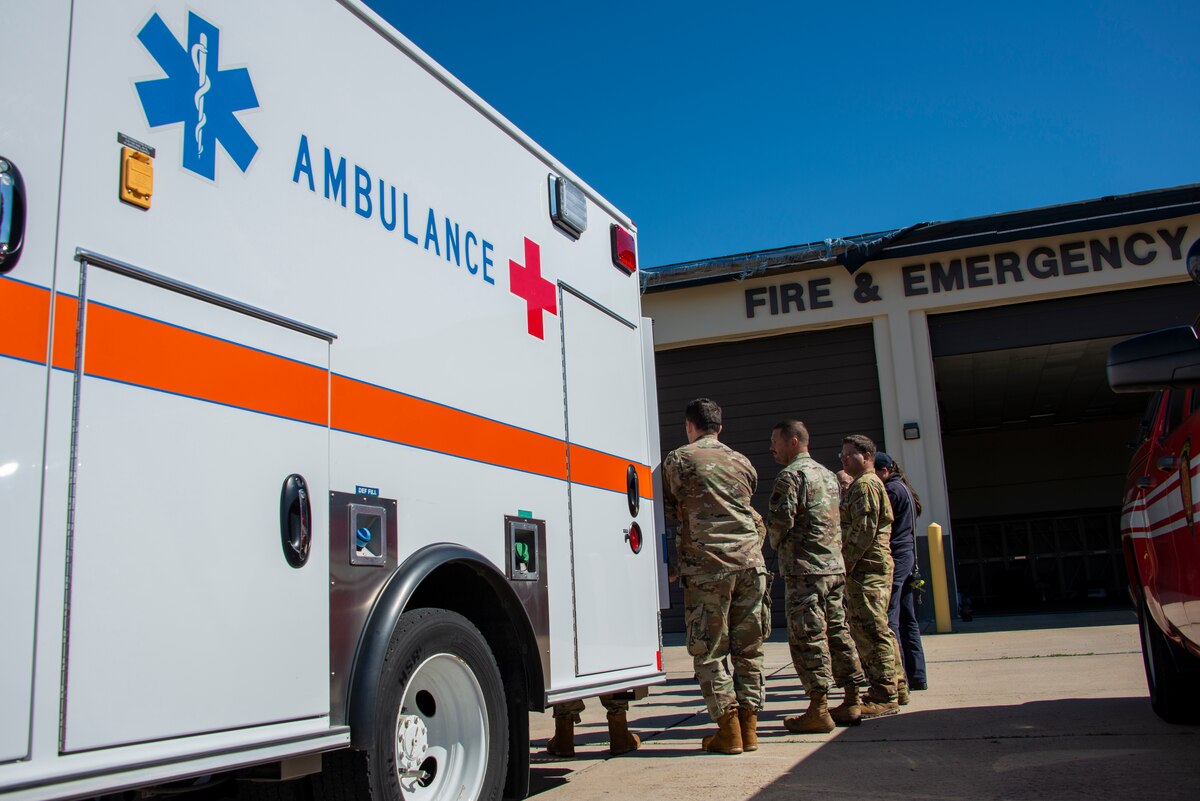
(543, 778)
(1062, 749)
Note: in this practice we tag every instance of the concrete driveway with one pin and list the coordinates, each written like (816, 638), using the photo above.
(1041, 707)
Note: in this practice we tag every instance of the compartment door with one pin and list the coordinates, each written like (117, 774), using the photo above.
(185, 613)
(24, 335)
(33, 80)
(616, 603)
(24, 327)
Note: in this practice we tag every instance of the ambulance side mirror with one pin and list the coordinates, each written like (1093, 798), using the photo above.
(1169, 357)
(12, 215)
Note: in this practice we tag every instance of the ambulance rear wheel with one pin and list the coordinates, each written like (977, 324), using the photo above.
(441, 721)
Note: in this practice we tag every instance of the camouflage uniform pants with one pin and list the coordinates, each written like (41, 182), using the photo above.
(867, 596)
(765, 607)
(723, 615)
(823, 652)
(572, 709)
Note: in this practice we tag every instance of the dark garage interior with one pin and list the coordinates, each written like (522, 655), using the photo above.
(1036, 445)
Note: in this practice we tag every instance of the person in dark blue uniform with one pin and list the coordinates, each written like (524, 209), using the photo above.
(902, 610)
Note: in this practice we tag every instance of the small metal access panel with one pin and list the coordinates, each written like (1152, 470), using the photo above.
(362, 557)
(525, 568)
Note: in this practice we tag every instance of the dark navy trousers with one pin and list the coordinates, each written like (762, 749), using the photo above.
(902, 619)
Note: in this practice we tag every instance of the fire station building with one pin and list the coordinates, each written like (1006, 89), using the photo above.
(972, 351)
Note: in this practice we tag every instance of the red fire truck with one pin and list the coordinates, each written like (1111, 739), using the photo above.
(1159, 517)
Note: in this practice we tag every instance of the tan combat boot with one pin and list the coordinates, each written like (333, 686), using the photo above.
(620, 739)
(748, 723)
(902, 696)
(815, 720)
(849, 713)
(562, 744)
(878, 703)
(728, 739)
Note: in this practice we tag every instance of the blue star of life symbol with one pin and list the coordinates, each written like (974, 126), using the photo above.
(197, 93)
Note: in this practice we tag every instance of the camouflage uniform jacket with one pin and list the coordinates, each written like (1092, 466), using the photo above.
(803, 520)
(867, 527)
(707, 487)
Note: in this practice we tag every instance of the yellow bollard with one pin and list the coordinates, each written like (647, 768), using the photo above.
(941, 592)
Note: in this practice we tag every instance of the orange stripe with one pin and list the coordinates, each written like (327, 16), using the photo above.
(125, 347)
(605, 471)
(24, 320)
(372, 411)
(66, 325)
(132, 349)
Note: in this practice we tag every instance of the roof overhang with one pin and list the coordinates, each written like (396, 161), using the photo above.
(923, 238)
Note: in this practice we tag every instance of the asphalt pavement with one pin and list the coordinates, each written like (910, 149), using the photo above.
(1031, 707)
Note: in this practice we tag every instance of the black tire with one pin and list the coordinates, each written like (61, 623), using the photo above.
(420, 636)
(1172, 673)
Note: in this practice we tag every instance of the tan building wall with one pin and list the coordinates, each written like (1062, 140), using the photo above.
(897, 296)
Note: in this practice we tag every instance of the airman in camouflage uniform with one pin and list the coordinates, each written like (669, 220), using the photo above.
(866, 534)
(707, 487)
(805, 531)
(844, 482)
(620, 739)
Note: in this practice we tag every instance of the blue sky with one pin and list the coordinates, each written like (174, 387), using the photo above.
(722, 128)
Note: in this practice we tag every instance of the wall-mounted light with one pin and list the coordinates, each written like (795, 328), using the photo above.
(912, 431)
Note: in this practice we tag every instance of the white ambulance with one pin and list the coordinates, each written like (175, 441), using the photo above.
(326, 423)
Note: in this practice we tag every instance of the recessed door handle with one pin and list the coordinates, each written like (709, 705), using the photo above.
(632, 493)
(295, 520)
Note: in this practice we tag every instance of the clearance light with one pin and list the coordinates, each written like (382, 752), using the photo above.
(624, 249)
(568, 206)
(634, 538)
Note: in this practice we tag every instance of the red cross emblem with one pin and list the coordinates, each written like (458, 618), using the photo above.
(527, 282)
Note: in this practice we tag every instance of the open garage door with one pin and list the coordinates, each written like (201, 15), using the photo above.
(1035, 443)
(828, 379)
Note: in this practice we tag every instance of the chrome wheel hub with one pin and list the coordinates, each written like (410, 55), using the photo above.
(412, 746)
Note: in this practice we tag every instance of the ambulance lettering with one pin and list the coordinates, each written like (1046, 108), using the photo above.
(441, 236)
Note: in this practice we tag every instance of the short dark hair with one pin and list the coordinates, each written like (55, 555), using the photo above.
(704, 414)
(862, 444)
(793, 428)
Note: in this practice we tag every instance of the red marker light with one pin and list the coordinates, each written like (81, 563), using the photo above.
(624, 249)
(634, 538)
